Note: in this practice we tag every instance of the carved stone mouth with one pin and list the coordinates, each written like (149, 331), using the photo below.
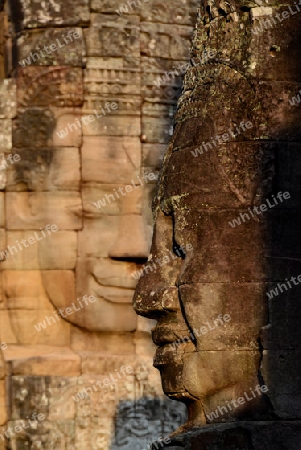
(172, 354)
(165, 334)
(115, 294)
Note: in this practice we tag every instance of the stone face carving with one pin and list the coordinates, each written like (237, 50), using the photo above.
(60, 179)
(222, 163)
(143, 420)
(71, 173)
(211, 281)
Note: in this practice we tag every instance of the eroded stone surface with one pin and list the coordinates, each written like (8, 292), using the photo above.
(40, 360)
(112, 35)
(44, 169)
(6, 134)
(8, 100)
(35, 47)
(49, 86)
(42, 252)
(39, 208)
(55, 13)
(111, 160)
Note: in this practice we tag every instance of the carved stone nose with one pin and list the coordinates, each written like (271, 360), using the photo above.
(152, 303)
(133, 238)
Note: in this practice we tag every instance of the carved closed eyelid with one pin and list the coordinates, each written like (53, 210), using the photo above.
(177, 247)
(166, 207)
(171, 243)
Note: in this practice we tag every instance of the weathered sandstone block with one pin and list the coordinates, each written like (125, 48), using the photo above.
(110, 159)
(112, 35)
(67, 52)
(59, 86)
(8, 101)
(41, 360)
(44, 169)
(56, 13)
(30, 211)
(56, 251)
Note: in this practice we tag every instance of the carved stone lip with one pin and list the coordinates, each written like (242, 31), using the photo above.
(166, 334)
(115, 294)
(172, 353)
(163, 355)
(163, 340)
(167, 354)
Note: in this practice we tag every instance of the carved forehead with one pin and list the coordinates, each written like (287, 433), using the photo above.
(230, 175)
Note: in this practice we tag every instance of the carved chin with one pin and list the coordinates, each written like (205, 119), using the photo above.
(169, 361)
(172, 382)
(206, 373)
